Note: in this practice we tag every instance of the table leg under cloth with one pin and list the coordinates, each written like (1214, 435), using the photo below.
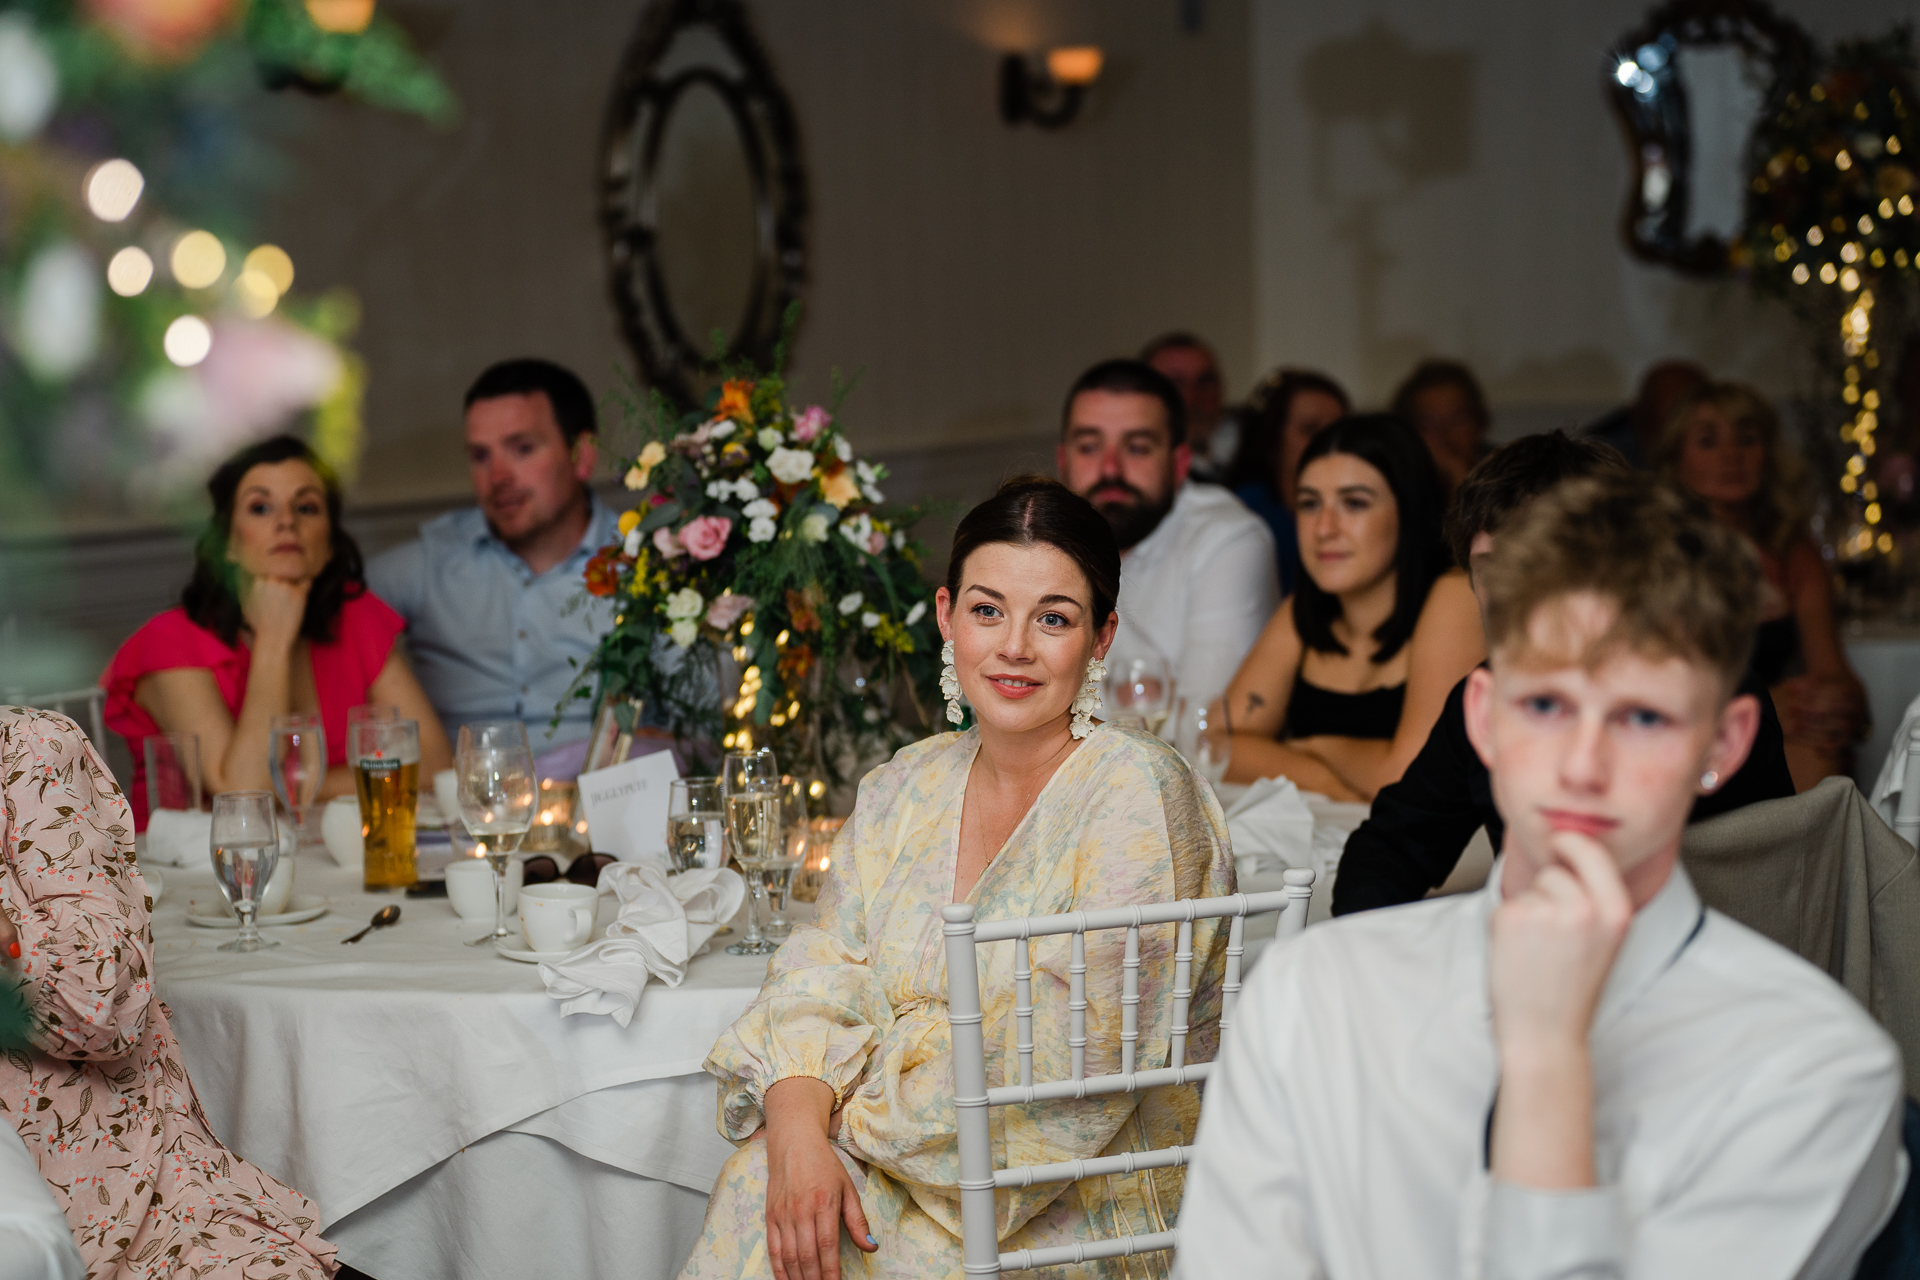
(516, 1206)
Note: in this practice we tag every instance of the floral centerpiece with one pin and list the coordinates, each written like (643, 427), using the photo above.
(767, 595)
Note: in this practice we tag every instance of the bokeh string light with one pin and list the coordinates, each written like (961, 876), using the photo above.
(188, 341)
(129, 272)
(198, 259)
(112, 188)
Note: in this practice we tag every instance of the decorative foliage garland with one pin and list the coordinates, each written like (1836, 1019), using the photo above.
(1834, 229)
(761, 546)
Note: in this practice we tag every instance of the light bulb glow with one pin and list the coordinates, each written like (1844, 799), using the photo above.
(129, 272)
(188, 341)
(271, 261)
(198, 259)
(255, 295)
(112, 189)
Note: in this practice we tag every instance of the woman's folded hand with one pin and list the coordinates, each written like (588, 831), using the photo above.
(809, 1193)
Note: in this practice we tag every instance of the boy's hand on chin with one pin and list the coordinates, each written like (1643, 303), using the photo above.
(1552, 947)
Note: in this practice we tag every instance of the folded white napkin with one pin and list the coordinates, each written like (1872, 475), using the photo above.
(177, 837)
(664, 922)
(1271, 828)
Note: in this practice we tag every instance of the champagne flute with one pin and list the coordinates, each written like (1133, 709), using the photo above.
(752, 782)
(297, 759)
(494, 767)
(1139, 690)
(1203, 733)
(696, 824)
(245, 844)
(791, 855)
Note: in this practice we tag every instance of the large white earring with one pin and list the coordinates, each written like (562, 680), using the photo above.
(1087, 701)
(950, 684)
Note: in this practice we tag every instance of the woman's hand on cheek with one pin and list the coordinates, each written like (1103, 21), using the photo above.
(275, 609)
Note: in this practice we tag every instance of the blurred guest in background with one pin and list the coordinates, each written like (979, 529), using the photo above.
(100, 1096)
(276, 620)
(1212, 432)
(1723, 444)
(1420, 825)
(1198, 579)
(1634, 429)
(1344, 684)
(1283, 413)
(1442, 400)
(489, 593)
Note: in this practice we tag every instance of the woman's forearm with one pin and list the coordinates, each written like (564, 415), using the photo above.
(798, 1106)
(1364, 765)
(1255, 758)
(243, 767)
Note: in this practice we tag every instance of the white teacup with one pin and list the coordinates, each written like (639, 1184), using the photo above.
(557, 917)
(470, 887)
(341, 830)
(446, 794)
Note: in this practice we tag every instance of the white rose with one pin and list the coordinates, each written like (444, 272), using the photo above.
(684, 632)
(850, 602)
(872, 493)
(760, 509)
(770, 438)
(869, 619)
(857, 530)
(685, 603)
(790, 466)
(841, 447)
(916, 613)
(634, 542)
(717, 490)
(761, 529)
(815, 527)
(745, 491)
(721, 430)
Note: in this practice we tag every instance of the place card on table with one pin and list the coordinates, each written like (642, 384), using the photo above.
(626, 807)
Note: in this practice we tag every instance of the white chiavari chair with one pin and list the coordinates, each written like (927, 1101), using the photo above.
(75, 704)
(972, 1098)
(1906, 817)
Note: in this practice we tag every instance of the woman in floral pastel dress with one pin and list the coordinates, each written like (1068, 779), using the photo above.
(102, 1099)
(837, 1083)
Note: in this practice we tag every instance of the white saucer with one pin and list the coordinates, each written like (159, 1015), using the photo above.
(529, 957)
(302, 908)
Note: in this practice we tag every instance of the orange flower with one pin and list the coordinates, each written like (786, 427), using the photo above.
(796, 663)
(603, 574)
(840, 488)
(736, 402)
(800, 611)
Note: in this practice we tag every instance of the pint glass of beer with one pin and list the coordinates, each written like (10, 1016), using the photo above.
(385, 755)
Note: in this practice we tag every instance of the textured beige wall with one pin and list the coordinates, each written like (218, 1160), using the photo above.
(1447, 179)
(967, 269)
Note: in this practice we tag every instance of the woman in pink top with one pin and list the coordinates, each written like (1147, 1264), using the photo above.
(100, 1094)
(276, 620)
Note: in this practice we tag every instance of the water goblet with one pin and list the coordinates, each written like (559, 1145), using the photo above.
(1139, 691)
(1203, 733)
(245, 845)
(696, 824)
(498, 791)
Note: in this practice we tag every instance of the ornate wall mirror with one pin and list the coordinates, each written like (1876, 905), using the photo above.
(1689, 85)
(703, 198)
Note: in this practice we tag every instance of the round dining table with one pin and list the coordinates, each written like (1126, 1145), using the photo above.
(430, 1097)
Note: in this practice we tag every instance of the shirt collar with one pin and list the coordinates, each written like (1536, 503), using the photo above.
(1660, 931)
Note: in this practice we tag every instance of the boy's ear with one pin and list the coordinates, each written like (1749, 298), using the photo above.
(1733, 736)
(1479, 705)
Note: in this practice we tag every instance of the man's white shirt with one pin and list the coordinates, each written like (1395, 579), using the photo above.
(1197, 590)
(1747, 1117)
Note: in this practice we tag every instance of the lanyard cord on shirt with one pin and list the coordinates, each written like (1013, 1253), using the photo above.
(1486, 1139)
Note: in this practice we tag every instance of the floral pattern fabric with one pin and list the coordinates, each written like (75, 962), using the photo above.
(102, 1099)
(858, 1000)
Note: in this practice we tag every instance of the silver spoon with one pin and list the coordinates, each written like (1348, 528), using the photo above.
(389, 914)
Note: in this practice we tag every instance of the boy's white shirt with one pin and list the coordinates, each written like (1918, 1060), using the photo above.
(1747, 1117)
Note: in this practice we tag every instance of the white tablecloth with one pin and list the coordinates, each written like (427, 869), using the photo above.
(358, 1074)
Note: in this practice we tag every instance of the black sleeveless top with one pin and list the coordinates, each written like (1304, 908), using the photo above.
(1312, 711)
(1776, 648)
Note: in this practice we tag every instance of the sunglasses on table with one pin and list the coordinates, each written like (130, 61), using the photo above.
(543, 868)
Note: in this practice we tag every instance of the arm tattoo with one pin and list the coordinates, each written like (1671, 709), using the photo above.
(1255, 702)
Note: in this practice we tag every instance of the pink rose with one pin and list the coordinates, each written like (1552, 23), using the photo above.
(705, 537)
(726, 611)
(811, 423)
(667, 544)
(876, 543)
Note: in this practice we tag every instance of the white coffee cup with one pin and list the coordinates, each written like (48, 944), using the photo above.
(557, 917)
(279, 891)
(470, 887)
(341, 830)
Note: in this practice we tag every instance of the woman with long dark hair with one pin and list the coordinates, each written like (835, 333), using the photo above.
(1343, 686)
(1287, 409)
(837, 1083)
(276, 620)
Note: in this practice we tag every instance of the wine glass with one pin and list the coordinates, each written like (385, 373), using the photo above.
(493, 764)
(752, 782)
(245, 844)
(1139, 690)
(297, 759)
(696, 824)
(1203, 733)
(792, 855)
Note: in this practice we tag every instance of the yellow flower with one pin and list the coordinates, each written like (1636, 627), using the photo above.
(629, 521)
(736, 401)
(653, 455)
(840, 488)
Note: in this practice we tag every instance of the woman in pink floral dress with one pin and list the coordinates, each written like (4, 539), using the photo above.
(102, 1099)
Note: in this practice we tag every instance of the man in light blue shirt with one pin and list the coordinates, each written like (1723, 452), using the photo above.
(498, 619)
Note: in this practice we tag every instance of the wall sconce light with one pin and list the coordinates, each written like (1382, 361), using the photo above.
(1050, 94)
